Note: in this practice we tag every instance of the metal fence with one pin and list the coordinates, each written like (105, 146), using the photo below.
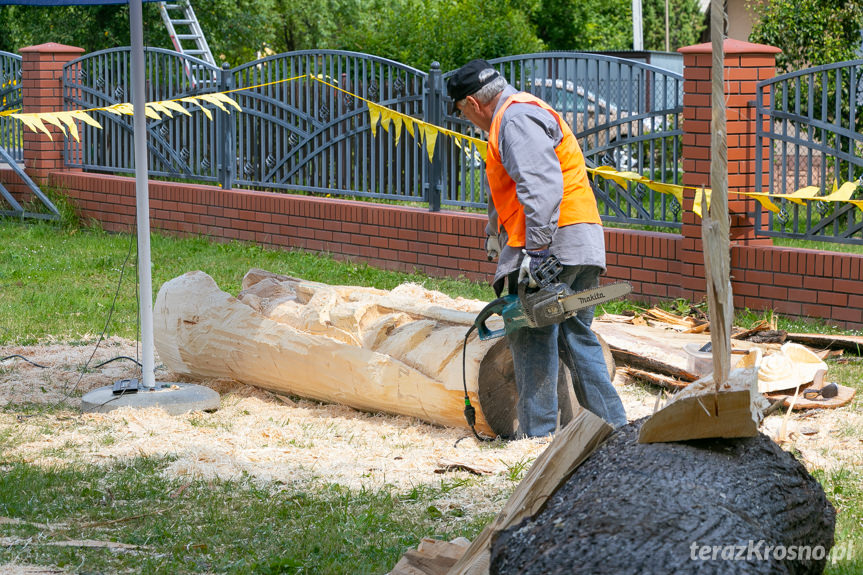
(305, 125)
(187, 147)
(11, 131)
(314, 134)
(810, 126)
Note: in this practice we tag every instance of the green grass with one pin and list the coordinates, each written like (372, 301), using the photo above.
(60, 282)
(844, 489)
(209, 526)
(815, 245)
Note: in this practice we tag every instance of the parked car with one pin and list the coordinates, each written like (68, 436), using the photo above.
(584, 111)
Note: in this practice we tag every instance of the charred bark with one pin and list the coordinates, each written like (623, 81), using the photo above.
(704, 506)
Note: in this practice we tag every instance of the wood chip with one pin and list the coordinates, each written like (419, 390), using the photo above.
(92, 543)
(445, 465)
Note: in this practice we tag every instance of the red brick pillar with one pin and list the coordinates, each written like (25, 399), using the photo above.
(42, 91)
(745, 65)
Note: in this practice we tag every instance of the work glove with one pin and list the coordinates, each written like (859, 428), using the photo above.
(492, 247)
(530, 264)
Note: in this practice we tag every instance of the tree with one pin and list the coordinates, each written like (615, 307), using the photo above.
(89, 27)
(235, 29)
(685, 23)
(583, 25)
(809, 32)
(418, 32)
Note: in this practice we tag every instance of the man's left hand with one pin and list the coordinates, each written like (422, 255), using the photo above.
(532, 261)
(492, 247)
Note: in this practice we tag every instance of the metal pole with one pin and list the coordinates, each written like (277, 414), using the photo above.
(667, 35)
(142, 204)
(637, 30)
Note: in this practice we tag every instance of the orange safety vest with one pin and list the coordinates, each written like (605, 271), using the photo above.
(578, 204)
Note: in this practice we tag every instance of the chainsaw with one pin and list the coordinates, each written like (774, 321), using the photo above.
(551, 302)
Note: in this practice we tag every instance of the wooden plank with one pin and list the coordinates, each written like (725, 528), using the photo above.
(569, 448)
(700, 411)
(851, 343)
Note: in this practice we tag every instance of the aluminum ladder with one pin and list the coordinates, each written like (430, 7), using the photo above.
(181, 15)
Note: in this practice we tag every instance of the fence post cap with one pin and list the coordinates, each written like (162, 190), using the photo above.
(731, 46)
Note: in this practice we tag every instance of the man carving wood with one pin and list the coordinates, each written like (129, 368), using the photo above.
(541, 204)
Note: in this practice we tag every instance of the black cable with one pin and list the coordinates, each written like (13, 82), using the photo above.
(108, 319)
(132, 359)
(25, 359)
(67, 393)
(469, 410)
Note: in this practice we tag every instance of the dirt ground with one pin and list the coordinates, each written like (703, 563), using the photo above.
(296, 442)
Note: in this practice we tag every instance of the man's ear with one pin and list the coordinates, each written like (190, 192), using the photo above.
(473, 103)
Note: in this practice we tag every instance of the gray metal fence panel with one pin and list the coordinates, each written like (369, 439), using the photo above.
(182, 146)
(808, 133)
(625, 114)
(302, 134)
(11, 131)
(305, 125)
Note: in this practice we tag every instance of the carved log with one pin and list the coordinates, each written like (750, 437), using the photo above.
(396, 351)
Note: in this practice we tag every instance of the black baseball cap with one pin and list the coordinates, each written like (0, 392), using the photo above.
(465, 81)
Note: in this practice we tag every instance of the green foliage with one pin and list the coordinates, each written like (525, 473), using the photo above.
(809, 32)
(580, 25)
(685, 24)
(236, 30)
(95, 27)
(813, 33)
(309, 24)
(414, 32)
(418, 32)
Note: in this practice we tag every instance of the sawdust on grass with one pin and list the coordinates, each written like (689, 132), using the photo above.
(299, 443)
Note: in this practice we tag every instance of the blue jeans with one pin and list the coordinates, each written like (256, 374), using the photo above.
(536, 353)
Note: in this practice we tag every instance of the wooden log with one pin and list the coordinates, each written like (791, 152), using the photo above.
(664, 507)
(396, 351)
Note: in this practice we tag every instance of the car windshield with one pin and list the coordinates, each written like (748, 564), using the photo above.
(567, 97)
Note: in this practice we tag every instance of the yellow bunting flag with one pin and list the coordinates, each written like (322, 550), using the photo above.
(397, 126)
(194, 100)
(374, 116)
(843, 193)
(764, 200)
(430, 136)
(420, 131)
(172, 105)
(219, 100)
(696, 205)
(86, 118)
(34, 122)
(121, 109)
(675, 190)
(409, 126)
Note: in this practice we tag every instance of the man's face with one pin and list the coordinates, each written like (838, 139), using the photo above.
(471, 109)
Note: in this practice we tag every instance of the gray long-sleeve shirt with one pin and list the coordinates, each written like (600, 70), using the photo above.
(527, 138)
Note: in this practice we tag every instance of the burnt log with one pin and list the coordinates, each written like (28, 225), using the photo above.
(703, 506)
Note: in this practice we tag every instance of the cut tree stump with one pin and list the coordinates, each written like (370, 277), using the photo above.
(635, 508)
(397, 351)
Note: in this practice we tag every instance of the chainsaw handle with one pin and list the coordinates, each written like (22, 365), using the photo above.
(494, 307)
